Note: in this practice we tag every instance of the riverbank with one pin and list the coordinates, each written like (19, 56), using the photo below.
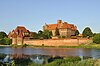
(52, 61)
(90, 45)
(5, 45)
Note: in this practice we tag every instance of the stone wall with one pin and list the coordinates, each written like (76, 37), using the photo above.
(58, 42)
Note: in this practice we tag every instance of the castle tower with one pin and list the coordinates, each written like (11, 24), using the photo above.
(14, 37)
(19, 34)
(20, 38)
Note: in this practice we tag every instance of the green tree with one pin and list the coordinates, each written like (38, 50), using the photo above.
(57, 32)
(47, 34)
(40, 34)
(3, 35)
(34, 35)
(96, 38)
(87, 32)
(77, 32)
(5, 41)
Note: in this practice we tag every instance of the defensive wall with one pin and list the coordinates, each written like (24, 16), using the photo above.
(57, 42)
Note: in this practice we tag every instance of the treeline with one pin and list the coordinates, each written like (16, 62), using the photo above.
(42, 34)
(4, 40)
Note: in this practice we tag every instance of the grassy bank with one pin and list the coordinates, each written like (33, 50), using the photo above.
(66, 61)
(91, 45)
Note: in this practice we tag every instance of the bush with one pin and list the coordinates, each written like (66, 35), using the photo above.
(72, 59)
(96, 39)
(5, 41)
(63, 36)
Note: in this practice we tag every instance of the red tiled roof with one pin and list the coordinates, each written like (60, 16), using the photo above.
(61, 26)
(14, 35)
(52, 26)
(21, 28)
(19, 32)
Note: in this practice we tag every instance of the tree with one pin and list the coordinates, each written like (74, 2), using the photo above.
(5, 41)
(77, 33)
(3, 35)
(34, 35)
(57, 32)
(96, 38)
(47, 34)
(40, 34)
(87, 32)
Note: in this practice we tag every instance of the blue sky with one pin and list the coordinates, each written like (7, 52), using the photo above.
(33, 14)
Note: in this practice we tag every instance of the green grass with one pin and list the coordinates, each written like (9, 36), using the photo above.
(91, 45)
(64, 62)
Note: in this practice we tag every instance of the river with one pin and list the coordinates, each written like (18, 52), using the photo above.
(94, 53)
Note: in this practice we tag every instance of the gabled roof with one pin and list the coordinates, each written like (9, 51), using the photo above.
(19, 32)
(21, 28)
(64, 25)
(52, 26)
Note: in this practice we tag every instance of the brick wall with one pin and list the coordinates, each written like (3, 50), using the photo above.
(59, 42)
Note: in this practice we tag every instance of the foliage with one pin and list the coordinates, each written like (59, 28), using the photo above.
(88, 62)
(57, 32)
(5, 41)
(25, 45)
(96, 38)
(94, 34)
(22, 61)
(47, 34)
(2, 56)
(77, 33)
(34, 64)
(87, 32)
(40, 34)
(67, 61)
(35, 35)
(63, 36)
(72, 59)
(3, 35)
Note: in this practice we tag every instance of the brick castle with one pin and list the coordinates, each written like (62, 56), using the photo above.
(20, 33)
(65, 29)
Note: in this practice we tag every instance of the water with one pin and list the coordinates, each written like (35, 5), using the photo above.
(39, 54)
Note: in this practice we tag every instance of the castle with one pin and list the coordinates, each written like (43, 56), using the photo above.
(65, 29)
(19, 34)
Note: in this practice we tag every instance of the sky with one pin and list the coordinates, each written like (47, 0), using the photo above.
(33, 14)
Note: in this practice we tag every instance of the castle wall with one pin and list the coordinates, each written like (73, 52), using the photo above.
(14, 40)
(58, 42)
(19, 40)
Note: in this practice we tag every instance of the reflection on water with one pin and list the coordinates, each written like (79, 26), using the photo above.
(40, 59)
(37, 60)
(42, 55)
(95, 53)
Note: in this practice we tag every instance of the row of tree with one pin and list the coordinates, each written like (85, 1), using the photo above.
(4, 39)
(42, 34)
(86, 32)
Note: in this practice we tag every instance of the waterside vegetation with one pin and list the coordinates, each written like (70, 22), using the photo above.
(66, 61)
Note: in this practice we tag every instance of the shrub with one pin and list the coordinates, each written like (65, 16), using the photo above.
(5, 41)
(96, 39)
(72, 59)
(63, 36)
